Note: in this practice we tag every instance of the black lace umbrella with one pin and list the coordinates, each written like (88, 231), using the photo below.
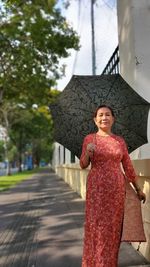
(73, 112)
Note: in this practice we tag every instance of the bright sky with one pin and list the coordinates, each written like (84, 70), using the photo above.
(106, 37)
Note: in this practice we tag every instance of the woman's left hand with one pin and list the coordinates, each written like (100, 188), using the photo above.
(141, 196)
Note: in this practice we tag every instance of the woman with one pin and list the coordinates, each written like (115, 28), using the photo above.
(105, 191)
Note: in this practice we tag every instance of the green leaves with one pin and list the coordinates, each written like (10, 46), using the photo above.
(36, 37)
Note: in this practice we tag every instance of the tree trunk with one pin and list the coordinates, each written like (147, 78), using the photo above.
(20, 162)
(8, 168)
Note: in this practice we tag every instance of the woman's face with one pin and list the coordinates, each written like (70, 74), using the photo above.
(104, 119)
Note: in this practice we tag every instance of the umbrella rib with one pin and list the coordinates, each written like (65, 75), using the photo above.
(111, 87)
(115, 80)
(107, 93)
(84, 89)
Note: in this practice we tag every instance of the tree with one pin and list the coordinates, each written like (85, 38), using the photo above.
(31, 131)
(7, 116)
(42, 138)
(34, 37)
(2, 150)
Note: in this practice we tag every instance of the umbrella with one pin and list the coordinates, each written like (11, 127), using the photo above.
(72, 113)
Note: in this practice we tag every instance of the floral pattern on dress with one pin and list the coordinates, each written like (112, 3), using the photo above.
(105, 197)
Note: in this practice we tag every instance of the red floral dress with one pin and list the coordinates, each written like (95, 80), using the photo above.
(105, 199)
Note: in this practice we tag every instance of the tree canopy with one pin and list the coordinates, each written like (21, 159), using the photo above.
(34, 36)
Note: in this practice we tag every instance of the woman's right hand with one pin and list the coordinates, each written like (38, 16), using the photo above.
(90, 149)
(141, 196)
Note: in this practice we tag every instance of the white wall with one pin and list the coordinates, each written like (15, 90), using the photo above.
(134, 43)
(58, 155)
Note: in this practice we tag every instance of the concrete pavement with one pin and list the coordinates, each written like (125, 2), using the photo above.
(41, 225)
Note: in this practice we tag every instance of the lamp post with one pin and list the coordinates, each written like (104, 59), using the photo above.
(93, 38)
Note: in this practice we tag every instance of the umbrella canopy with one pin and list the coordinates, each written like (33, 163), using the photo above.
(73, 112)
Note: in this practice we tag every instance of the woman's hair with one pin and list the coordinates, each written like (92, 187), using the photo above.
(104, 106)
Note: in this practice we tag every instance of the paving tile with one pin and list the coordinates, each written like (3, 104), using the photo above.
(41, 225)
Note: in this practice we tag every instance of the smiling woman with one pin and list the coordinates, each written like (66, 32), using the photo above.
(106, 191)
(104, 119)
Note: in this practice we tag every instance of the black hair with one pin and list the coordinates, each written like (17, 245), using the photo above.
(104, 106)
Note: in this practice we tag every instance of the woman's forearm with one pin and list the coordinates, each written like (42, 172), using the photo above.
(136, 186)
(140, 193)
(85, 161)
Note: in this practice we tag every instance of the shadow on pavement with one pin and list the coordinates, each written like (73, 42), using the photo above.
(41, 225)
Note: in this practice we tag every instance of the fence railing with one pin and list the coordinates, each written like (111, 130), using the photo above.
(113, 66)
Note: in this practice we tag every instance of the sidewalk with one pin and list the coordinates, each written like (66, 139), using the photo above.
(41, 225)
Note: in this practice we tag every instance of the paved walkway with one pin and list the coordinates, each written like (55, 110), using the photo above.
(41, 225)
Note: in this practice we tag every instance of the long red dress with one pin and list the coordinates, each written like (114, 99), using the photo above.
(105, 199)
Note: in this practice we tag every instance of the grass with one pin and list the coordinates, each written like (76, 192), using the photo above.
(7, 182)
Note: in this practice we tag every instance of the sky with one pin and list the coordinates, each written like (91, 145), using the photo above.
(106, 37)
